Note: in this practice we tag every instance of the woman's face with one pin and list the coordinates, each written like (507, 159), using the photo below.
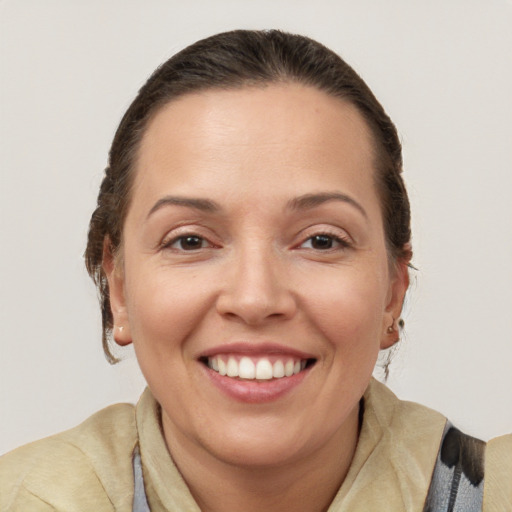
(254, 245)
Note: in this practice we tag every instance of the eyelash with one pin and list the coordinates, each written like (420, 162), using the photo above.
(331, 238)
(343, 242)
(168, 244)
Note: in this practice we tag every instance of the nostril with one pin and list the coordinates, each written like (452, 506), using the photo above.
(254, 310)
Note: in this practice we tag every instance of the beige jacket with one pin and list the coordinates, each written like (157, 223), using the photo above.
(89, 468)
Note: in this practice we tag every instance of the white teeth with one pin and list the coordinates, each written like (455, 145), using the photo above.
(262, 369)
(232, 368)
(278, 370)
(222, 366)
(247, 369)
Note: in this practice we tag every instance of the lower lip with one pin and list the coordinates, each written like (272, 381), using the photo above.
(255, 391)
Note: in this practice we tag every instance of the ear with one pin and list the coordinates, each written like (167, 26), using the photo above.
(399, 283)
(114, 272)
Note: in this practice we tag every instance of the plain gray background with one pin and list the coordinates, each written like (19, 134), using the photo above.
(443, 71)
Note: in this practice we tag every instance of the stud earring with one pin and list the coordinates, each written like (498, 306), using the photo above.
(400, 325)
(120, 328)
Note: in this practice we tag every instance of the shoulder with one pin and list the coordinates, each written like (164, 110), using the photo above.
(409, 433)
(85, 468)
(395, 455)
(498, 474)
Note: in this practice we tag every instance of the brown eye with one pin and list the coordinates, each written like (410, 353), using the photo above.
(322, 242)
(188, 243)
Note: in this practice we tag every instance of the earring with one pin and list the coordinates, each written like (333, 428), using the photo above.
(120, 328)
(400, 325)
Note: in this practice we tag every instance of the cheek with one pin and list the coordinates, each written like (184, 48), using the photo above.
(164, 313)
(164, 308)
(348, 307)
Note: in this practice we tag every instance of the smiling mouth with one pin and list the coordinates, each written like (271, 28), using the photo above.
(257, 368)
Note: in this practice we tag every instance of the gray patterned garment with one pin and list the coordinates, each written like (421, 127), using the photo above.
(140, 502)
(458, 481)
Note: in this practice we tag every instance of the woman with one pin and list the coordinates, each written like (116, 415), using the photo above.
(252, 240)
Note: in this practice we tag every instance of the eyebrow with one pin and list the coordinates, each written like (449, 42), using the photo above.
(303, 202)
(204, 205)
(308, 201)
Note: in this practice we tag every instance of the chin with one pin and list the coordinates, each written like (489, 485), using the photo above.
(263, 442)
(258, 454)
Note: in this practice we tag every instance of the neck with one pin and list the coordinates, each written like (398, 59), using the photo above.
(308, 483)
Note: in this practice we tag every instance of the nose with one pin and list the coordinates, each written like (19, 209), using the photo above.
(257, 288)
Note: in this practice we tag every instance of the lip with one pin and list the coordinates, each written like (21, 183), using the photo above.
(252, 391)
(255, 349)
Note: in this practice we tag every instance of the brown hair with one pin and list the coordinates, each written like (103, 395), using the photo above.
(232, 60)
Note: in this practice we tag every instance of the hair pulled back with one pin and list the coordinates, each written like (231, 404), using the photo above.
(233, 60)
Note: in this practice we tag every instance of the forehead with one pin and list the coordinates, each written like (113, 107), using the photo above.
(283, 134)
(310, 112)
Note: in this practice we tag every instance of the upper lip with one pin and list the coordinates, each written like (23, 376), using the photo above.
(248, 348)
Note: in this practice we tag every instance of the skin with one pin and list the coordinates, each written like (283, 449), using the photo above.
(257, 274)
